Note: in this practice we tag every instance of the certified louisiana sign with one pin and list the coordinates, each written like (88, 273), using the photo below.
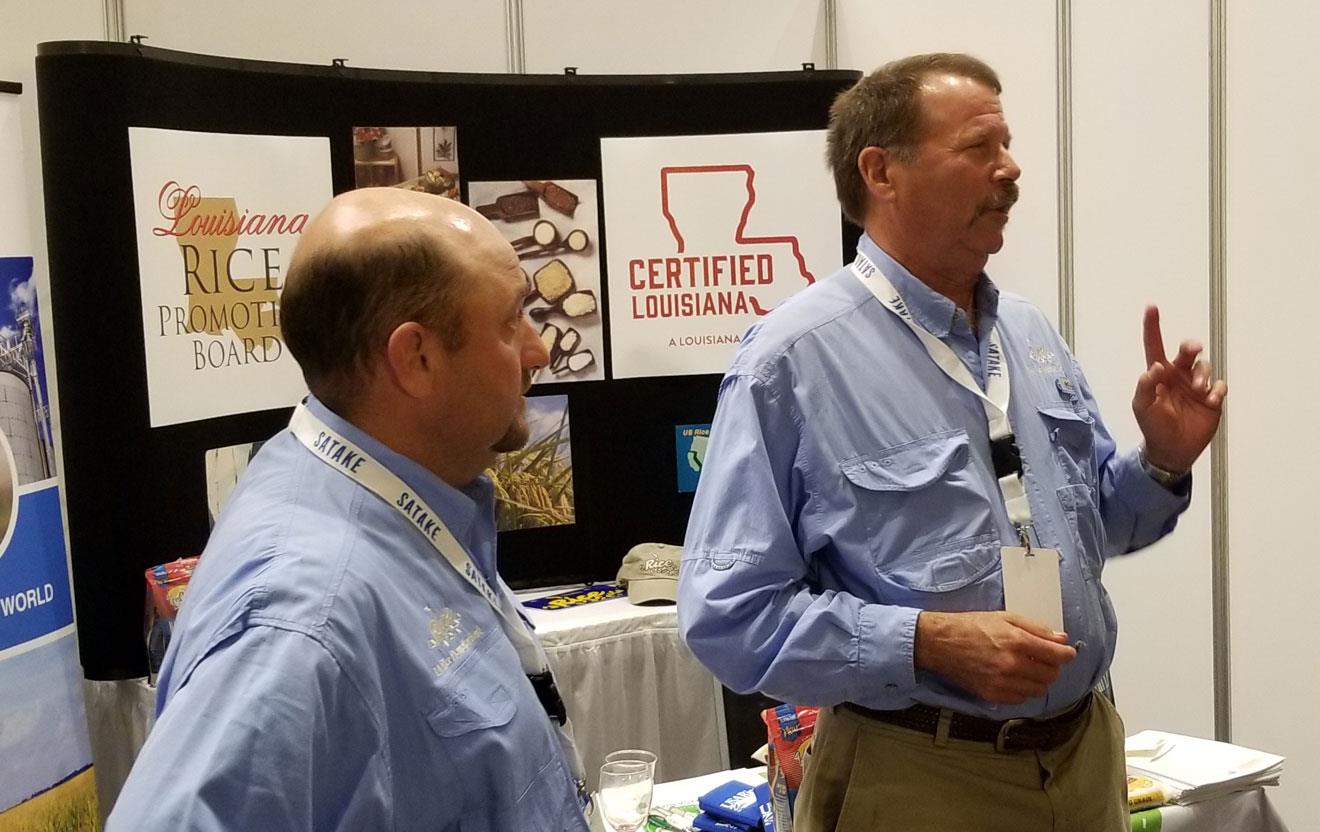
(218, 216)
(707, 234)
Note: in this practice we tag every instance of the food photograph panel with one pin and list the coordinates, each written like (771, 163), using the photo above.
(554, 227)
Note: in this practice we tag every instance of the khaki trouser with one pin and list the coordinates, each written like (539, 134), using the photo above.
(865, 775)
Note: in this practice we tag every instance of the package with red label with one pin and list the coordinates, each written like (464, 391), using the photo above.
(789, 728)
(166, 584)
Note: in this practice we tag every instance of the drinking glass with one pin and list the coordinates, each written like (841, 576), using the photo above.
(625, 793)
(637, 754)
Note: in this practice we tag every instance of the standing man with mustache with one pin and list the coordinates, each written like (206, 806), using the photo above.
(908, 496)
(347, 657)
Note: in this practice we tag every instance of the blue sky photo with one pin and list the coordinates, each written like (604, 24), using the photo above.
(544, 413)
(41, 719)
(20, 292)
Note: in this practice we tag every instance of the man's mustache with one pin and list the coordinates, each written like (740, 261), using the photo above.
(1002, 201)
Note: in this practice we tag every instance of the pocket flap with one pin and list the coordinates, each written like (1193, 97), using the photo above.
(471, 707)
(1065, 412)
(949, 567)
(473, 696)
(909, 466)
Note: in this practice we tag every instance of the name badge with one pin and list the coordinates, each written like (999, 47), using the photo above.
(1033, 585)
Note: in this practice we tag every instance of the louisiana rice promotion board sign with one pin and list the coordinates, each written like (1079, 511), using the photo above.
(218, 216)
(706, 235)
(46, 779)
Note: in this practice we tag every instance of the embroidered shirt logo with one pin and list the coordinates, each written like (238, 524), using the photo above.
(444, 627)
(1044, 359)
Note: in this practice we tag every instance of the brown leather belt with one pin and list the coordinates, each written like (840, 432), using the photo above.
(1006, 735)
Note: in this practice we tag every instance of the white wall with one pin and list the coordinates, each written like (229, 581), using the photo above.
(1020, 47)
(1141, 235)
(1273, 298)
(642, 36)
(597, 36)
(436, 35)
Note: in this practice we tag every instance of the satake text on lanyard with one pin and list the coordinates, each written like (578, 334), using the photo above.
(351, 460)
(340, 454)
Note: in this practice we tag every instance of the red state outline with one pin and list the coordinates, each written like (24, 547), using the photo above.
(738, 235)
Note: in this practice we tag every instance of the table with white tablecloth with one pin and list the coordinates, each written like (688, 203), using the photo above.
(1248, 811)
(629, 682)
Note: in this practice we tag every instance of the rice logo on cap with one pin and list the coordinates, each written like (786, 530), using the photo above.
(650, 573)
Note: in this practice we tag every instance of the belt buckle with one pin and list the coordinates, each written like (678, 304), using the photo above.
(1001, 739)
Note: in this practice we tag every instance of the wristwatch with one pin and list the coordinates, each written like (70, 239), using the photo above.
(1169, 479)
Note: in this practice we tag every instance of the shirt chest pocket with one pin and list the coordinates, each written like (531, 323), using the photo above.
(917, 498)
(1072, 439)
(501, 750)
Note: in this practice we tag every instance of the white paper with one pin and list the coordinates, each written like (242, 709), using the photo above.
(1196, 769)
(1032, 585)
(1194, 763)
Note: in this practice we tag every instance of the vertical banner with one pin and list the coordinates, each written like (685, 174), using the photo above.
(218, 216)
(46, 779)
(707, 234)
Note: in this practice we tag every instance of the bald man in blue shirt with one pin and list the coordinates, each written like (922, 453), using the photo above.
(347, 657)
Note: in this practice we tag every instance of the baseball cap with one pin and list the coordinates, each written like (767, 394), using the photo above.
(650, 573)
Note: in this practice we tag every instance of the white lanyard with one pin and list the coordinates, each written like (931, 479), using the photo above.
(353, 462)
(994, 399)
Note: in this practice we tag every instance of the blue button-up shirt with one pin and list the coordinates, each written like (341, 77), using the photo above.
(848, 485)
(329, 671)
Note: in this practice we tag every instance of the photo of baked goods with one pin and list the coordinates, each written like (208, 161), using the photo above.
(417, 158)
(553, 227)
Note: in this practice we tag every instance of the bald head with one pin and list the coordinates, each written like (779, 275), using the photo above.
(357, 219)
(371, 260)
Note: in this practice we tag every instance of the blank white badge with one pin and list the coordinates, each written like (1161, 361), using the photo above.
(1032, 584)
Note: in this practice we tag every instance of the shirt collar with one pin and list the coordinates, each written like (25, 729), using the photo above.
(933, 311)
(458, 508)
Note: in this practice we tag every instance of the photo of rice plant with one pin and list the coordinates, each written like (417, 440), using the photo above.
(534, 486)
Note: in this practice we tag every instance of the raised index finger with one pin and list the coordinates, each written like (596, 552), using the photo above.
(1153, 337)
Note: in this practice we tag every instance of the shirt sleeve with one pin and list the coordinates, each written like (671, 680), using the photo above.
(266, 733)
(1136, 510)
(746, 606)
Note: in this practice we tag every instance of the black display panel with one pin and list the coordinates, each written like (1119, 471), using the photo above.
(136, 494)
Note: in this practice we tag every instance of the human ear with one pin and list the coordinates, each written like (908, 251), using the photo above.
(411, 355)
(874, 166)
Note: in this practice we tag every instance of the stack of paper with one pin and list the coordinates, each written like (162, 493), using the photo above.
(1195, 769)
